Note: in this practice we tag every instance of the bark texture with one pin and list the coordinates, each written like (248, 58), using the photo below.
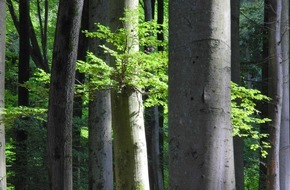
(100, 118)
(60, 107)
(130, 155)
(200, 133)
(275, 92)
(284, 132)
(2, 88)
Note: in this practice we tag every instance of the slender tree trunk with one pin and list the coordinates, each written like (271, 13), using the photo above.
(153, 148)
(152, 129)
(264, 106)
(100, 118)
(284, 133)
(235, 75)
(130, 152)
(2, 88)
(23, 96)
(200, 133)
(34, 47)
(78, 101)
(60, 108)
(160, 36)
(275, 92)
(43, 25)
(148, 10)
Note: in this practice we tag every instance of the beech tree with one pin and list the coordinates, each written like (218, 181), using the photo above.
(100, 118)
(2, 88)
(200, 133)
(38, 54)
(23, 97)
(152, 124)
(78, 108)
(235, 77)
(60, 108)
(275, 92)
(130, 155)
(284, 166)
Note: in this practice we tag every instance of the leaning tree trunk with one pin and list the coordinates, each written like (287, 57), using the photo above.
(2, 88)
(200, 133)
(235, 75)
(60, 108)
(130, 156)
(275, 92)
(100, 118)
(284, 133)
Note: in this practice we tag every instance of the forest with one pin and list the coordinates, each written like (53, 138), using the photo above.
(144, 95)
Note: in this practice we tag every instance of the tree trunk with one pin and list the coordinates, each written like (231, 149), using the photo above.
(152, 129)
(200, 133)
(130, 156)
(78, 101)
(100, 118)
(275, 92)
(264, 106)
(23, 96)
(2, 88)
(284, 133)
(160, 36)
(34, 47)
(60, 108)
(235, 75)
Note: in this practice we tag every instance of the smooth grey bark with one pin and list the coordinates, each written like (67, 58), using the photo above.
(284, 131)
(200, 133)
(275, 92)
(2, 98)
(100, 116)
(235, 76)
(60, 108)
(130, 152)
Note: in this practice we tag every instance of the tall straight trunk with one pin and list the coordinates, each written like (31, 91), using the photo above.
(78, 101)
(235, 75)
(160, 36)
(60, 108)
(264, 106)
(275, 92)
(3, 178)
(100, 118)
(43, 25)
(284, 131)
(200, 133)
(130, 154)
(152, 128)
(152, 134)
(148, 10)
(23, 96)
